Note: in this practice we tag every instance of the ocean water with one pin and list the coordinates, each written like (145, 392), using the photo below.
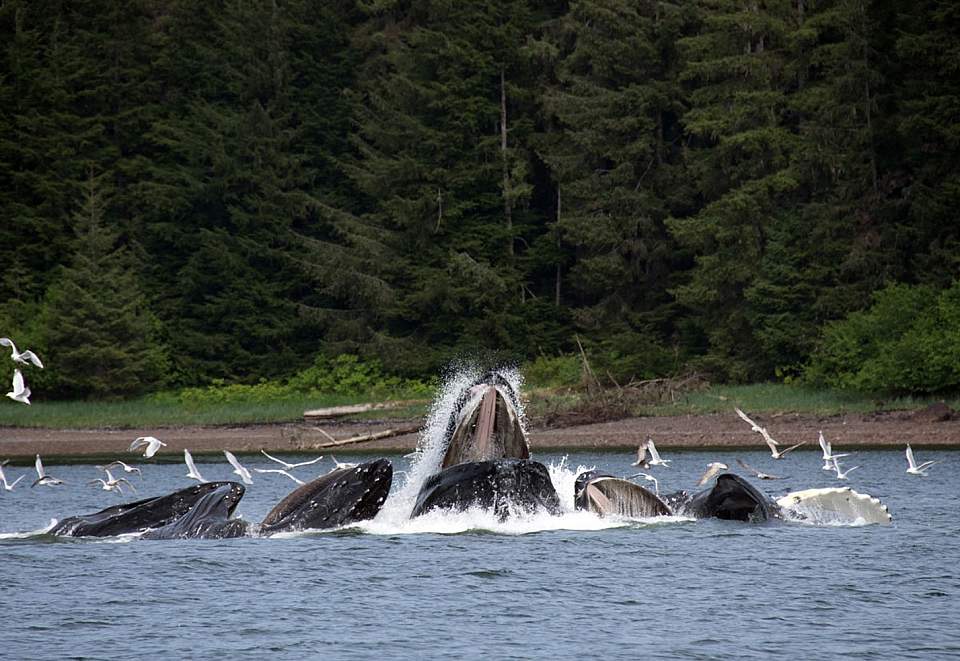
(467, 586)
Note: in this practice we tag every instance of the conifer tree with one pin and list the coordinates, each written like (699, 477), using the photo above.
(100, 338)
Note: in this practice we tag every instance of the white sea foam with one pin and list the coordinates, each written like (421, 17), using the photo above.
(30, 533)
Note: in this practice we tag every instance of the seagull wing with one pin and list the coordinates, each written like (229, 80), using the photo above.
(910, 460)
(7, 342)
(652, 448)
(32, 357)
(641, 455)
(233, 460)
(746, 419)
(15, 481)
(792, 447)
(18, 386)
(39, 466)
(306, 463)
(279, 461)
(747, 467)
(281, 472)
(824, 446)
(927, 464)
(712, 470)
(188, 459)
(138, 443)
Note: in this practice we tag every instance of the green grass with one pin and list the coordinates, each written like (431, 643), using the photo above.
(145, 412)
(160, 412)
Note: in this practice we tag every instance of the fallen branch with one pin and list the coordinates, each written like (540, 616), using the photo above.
(363, 438)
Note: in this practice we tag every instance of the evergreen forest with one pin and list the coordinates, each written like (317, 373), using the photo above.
(227, 191)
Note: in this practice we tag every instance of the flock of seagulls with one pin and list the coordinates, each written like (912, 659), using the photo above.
(648, 456)
(19, 391)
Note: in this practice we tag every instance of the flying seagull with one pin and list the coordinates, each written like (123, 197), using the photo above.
(712, 469)
(153, 444)
(774, 446)
(126, 467)
(828, 453)
(3, 478)
(287, 465)
(912, 466)
(281, 472)
(24, 358)
(237, 468)
(648, 478)
(20, 392)
(112, 483)
(42, 477)
(758, 474)
(342, 464)
(649, 446)
(193, 472)
(842, 475)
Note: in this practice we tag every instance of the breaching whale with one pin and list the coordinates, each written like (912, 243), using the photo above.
(605, 495)
(486, 459)
(341, 497)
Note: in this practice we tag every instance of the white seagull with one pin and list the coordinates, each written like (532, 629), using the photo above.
(774, 446)
(126, 467)
(712, 469)
(288, 466)
(648, 478)
(913, 468)
(655, 459)
(3, 478)
(281, 472)
(112, 483)
(842, 475)
(42, 477)
(760, 475)
(237, 468)
(24, 358)
(342, 464)
(193, 473)
(152, 444)
(20, 392)
(828, 455)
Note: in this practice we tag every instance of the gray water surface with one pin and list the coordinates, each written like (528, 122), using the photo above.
(574, 589)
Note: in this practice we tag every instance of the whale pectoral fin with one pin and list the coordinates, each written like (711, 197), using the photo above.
(599, 502)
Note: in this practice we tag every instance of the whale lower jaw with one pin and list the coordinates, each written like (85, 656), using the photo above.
(505, 486)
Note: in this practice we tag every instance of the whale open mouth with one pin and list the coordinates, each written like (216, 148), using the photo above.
(488, 428)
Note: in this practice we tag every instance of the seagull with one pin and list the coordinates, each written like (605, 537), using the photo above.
(126, 467)
(3, 478)
(655, 459)
(642, 456)
(194, 473)
(842, 475)
(828, 453)
(112, 483)
(758, 474)
(289, 466)
(24, 358)
(237, 468)
(774, 446)
(153, 444)
(42, 477)
(281, 472)
(648, 478)
(913, 468)
(712, 469)
(340, 465)
(20, 392)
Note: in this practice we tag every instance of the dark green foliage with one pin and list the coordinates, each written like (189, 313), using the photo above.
(907, 341)
(710, 185)
(98, 336)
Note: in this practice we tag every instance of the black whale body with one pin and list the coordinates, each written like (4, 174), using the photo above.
(731, 498)
(204, 511)
(209, 518)
(503, 485)
(155, 512)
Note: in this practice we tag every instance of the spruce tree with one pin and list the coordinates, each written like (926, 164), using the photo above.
(100, 338)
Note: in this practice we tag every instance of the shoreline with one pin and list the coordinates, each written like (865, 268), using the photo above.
(715, 431)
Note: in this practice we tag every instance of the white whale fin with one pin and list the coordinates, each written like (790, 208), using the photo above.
(834, 507)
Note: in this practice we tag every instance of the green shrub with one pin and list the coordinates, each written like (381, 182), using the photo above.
(552, 372)
(908, 341)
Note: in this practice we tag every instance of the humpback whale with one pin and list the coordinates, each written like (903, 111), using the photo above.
(730, 498)
(340, 497)
(486, 460)
(606, 495)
